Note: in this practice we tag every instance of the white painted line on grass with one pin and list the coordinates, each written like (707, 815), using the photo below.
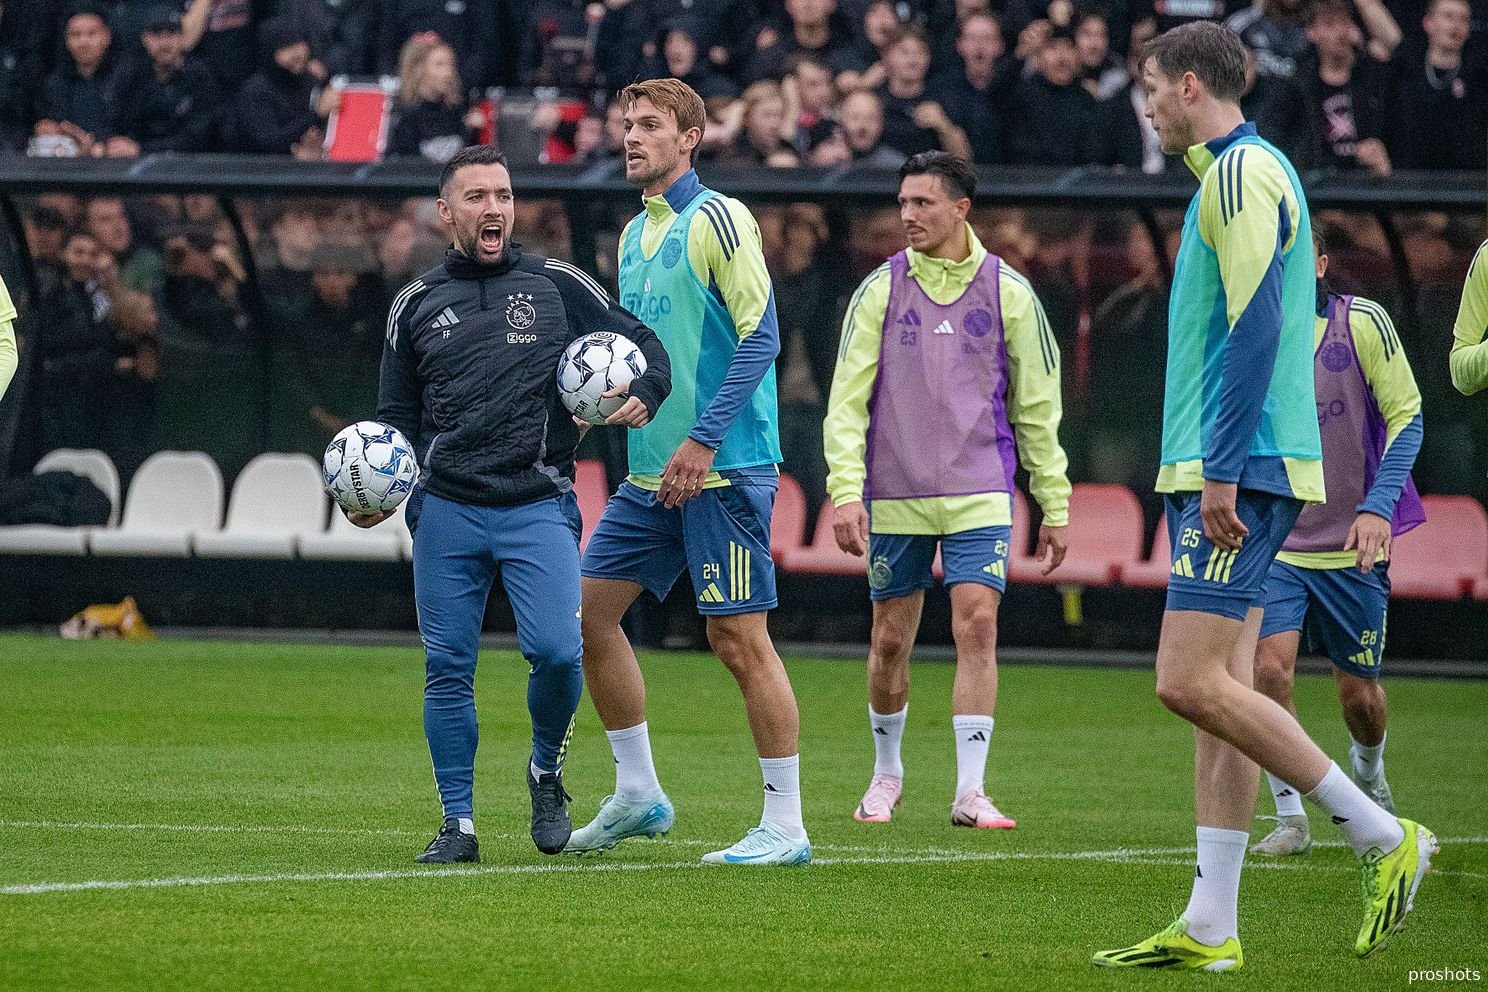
(564, 867)
(871, 856)
(394, 832)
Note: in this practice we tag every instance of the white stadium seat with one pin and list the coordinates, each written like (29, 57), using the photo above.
(275, 499)
(174, 494)
(345, 541)
(45, 539)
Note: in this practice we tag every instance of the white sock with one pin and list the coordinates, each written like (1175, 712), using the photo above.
(1367, 762)
(467, 825)
(635, 775)
(1288, 799)
(783, 795)
(1215, 901)
(1364, 824)
(537, 772)
(888, 734)
(973, 736)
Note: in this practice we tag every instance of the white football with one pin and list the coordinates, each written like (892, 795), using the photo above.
(369, 467)
(592, 366)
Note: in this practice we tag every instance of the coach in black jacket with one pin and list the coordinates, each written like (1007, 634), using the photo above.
(469, 375)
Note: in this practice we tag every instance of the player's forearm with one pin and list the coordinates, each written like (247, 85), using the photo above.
(1389, 480)
(1034, 411)
(9, 356)
(1469, 367)
(845, 430)
(845, 434)
(752, 361)
(655, 384)
(1048, 478)
(1249, 360)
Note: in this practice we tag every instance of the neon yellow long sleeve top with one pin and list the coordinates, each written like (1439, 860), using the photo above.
(1034, 404)
(9, 357)
(1469, 351)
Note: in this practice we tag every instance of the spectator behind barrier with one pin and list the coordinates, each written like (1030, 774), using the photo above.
(1273, 29)
(809, 26)
(167, 101)
(470, 27)
(1058, 121)
(140, 269)
(761, 138)
(275, 115)
(877, 30)
(1438, 109)
(1279, 111)
(1345, 90)
(681, 57)
(221, 34)
(433, 120)
(341, 32)
(913, 123)
(99, 356)
(862, 126)
(1104, 74)
(977, 95)
(75, 106)
(810, 100)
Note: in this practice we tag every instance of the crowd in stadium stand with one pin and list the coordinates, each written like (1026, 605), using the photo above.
(1349, 84)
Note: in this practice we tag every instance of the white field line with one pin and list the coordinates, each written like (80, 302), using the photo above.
(1119, 855)
(876, 856)
(395, 832)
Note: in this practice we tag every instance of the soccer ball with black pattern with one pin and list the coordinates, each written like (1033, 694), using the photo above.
(593, 365)
(369, 467)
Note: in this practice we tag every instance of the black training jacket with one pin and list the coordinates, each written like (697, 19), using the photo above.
(469, 373)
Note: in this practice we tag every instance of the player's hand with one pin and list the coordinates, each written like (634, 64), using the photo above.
(632, 414)
(1370, 533)
(1053, 542)
(365, 520)
(850, 527)
(1222, 525)
(683, 477)
(583, 426)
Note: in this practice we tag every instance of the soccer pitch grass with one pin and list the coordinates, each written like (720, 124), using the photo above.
(183, 815)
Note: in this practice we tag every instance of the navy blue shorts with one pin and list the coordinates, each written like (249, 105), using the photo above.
(900, 564)
(1226, 583)
(1341, 612)
(721, 536)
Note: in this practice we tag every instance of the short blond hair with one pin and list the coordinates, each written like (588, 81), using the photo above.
(670, 96)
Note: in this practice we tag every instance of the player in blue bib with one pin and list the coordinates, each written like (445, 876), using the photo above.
(702, 480)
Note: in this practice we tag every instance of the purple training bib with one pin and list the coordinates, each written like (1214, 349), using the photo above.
(1354, 435)
(937, 422)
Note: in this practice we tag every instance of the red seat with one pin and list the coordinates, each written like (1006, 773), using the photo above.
(787, 520)
(1447, 556)
(1152, 573)
(593, 492)
(823, 557)
(1105, 536)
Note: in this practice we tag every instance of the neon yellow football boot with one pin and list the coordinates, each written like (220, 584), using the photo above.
(1390, 883)
(1174, 948)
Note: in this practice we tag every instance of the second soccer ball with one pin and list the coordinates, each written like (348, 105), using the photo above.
(592, 366)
